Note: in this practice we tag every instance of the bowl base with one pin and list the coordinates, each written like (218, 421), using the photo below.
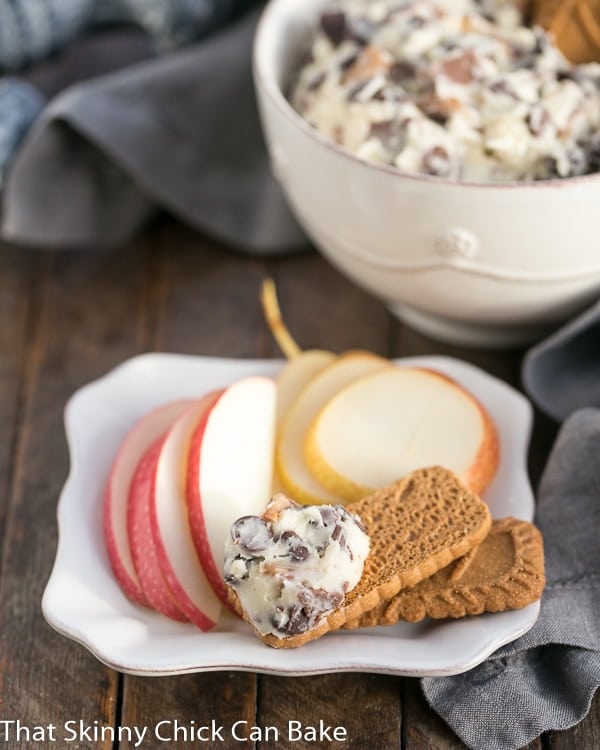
(461, 333)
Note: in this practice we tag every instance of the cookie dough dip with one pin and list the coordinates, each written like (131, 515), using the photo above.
(454, 88)
(294, 564)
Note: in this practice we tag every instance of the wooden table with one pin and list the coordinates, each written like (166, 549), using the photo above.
(69, 317)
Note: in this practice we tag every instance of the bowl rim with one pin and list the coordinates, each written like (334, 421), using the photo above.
(266, 78)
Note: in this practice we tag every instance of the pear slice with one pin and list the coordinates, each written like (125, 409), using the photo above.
(295, 375)
(389, 423)
(292, 469)
(301, 367)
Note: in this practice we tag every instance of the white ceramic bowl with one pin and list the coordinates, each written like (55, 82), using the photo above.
(479, 264)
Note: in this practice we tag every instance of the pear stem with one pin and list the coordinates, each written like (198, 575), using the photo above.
(272, 313)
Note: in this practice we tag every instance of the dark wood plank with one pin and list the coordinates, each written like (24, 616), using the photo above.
(542, 439)
(209, 298)
(186, 710)
(423, 729)
(586, 735)
(503, 363)
(16, 313)
(85, 319)
(366, 708)
(323, 310)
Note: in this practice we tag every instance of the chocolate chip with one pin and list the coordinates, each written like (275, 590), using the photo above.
(279, 619)
(434, 107)
(436, 162)
(567, 75)
(349, 58)
(298, 620)
(439, 117)
(360, 29)
(320, 600)
(578, 161)
(360, 524)
(415, 22)
(501, 86)
(391, 94)
(524, 60)
(391, 133)
(537, 120)
(333, 24)
(299, 552)
(542, 42)
(549, 168)
(354, 90)
(401, 71)
(593, 155)
(297, 549)
(328, 515)
(301, 615)
(338, 535)
(353, 519)
(252, 533)
(448, 45)
(238, 570)
(380, 130)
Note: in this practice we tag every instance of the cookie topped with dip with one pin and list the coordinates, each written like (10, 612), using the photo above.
(294, 564)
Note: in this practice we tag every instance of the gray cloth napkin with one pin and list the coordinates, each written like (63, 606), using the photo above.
(562, 372)
(547, 678)
(37, 36)
(180, 132)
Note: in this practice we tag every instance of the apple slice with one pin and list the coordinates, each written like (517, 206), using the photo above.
(391, 422)
(143, 551)
(296, 374)
(292, 469)
(143, 434)
(230, 467)
(171, 532)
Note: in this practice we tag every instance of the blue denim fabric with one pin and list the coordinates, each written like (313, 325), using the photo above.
(31, 30)
(20, 104)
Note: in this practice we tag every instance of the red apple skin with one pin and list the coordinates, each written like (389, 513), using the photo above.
(130, 586)
(195, 515)
(145, 558)
(198, 526)
(192, 609)
(115, 501)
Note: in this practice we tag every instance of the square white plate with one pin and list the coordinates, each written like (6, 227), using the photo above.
(83, 601)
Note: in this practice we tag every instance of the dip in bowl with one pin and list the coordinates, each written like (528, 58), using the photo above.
(479, 258)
